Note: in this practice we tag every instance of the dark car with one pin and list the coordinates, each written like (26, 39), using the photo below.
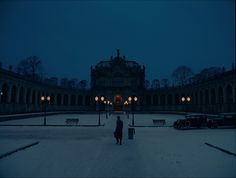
(191, 121)
(223, 120)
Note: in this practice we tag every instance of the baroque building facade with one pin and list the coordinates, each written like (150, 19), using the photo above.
(117, 79)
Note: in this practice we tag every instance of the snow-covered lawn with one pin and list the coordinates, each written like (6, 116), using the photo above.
(92, 152)
(57, 120)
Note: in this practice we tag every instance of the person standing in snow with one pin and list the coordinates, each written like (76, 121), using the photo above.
(118, 131)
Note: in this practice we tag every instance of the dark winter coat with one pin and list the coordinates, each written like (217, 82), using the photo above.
(119, 128)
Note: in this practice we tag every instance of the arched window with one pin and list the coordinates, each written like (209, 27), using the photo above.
(170, 99)
(220, 95)
(21, 95)
(148, 99)
(65, 99)
(213, 96)
(13, 94)
(163, 99)
(196, 98)
(80, 100)
(28, 93)
(33, 97)
(52, 100)
(59, 99)
(155, 100)
(229, 94)
(177, 99)
(39, 97)
(87, 100)
(72, 99)
(201, 97)
(206, 96)
(4, 93)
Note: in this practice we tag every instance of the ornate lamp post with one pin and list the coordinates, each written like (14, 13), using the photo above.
(110, 106)
(45, 100)
(106, 106)
(132, 100)
(126, 108)
(185, 100)
(99, 100)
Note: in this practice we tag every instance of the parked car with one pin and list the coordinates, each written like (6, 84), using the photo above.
(223, 119)
(191, 121)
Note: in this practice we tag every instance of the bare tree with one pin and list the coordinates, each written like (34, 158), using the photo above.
(181, 74)
(22, 67)
(34, 64)
(30, 67)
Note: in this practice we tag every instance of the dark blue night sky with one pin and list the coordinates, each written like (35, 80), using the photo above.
(70, 36)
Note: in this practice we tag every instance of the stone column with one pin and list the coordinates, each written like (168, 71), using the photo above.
(8, 99)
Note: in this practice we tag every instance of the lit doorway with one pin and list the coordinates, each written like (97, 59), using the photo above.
(117, 104)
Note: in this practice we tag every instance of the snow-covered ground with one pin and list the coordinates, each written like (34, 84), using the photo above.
(92, 152)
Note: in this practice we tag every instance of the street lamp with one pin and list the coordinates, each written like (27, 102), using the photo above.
(106, 104)
(99, 100)
(45, 100)
(108, 107)
(185, 100)
(132, 100)
(126, 108)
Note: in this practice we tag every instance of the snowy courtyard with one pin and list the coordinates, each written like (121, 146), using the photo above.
(91, 151)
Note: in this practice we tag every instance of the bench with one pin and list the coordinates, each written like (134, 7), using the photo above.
(72, 121)
(159, 122)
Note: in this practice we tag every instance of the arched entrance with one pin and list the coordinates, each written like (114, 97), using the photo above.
(117, 103)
